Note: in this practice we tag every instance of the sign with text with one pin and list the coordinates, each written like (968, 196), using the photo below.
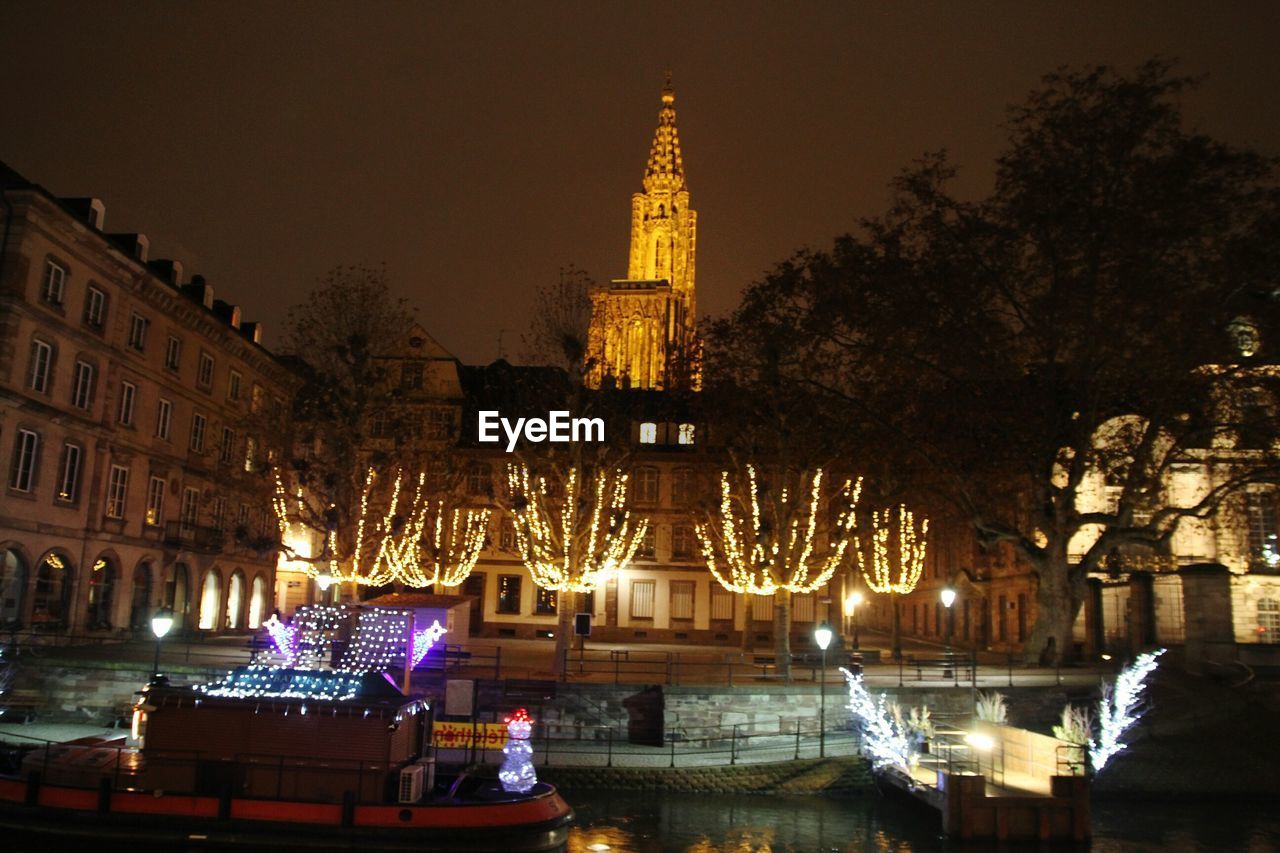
(458, 735)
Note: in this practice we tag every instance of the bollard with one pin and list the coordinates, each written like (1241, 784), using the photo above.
(609, 760)
(797, 740)
(1010, 659)
(733, 746)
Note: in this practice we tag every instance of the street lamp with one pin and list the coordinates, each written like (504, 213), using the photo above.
(948, 597)
(851, 607)
(324, 580)
(822, 636)
(161, 623)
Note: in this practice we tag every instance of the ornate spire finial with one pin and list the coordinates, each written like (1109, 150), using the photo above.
(668, 94)
(665, 168)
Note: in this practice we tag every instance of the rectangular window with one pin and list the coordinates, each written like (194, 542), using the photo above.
(544, 601)
(242, 516)
(645, 482)
(648, 433)
(685, 436)
(117, 491)
(682, 599)
(228, 442)
(55, 278)
(155, 501)
(164, 418)
(218, 513)
(479, 479)
(683, 542)
(95, 308)
(204, 375)
(508, 593)
(137, 332)
(411, 375)
(762, 608)
(439, 424)
(82, 393)
(1264, 551)
(646, 549)
(682, 487)
(22, 473)
(721, 603)
(190, 506)
(257, 398)
(642, 599)
(233, 386)
(802, 607)
(173, 353)
(507, 535)
(41, 362)
(69, 473)
(128, 394)
(198, 422)
(250, 454)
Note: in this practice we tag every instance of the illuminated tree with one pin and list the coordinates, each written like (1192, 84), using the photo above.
(897, 561)
(778, 540)
(572, 532)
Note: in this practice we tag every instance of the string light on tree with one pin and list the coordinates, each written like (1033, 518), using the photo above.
(1118, 709)
(897, 562)
(576, 542)
(885, 737)
(781, 543)
(516, 773)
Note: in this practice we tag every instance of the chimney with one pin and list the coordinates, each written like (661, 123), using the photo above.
(199, 291)
(168, 271)
(252, 330)
(90, 211)
(229, 313)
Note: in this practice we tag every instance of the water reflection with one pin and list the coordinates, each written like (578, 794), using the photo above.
(632, 822)
(655, 822)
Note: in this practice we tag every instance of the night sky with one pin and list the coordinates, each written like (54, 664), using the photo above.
(476, 148)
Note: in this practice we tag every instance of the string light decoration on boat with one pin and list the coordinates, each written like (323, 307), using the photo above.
(378, 637)
(885, 738)
(516, 773)
(1118, 708)
(573, 542)
(274, 682)
(905, 555)
(770, 543)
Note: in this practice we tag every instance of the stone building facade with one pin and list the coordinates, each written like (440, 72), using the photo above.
(133, 410)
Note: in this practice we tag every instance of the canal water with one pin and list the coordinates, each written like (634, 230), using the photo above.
(653, 822)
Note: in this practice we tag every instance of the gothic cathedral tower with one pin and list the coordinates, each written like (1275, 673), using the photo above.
(644, 327)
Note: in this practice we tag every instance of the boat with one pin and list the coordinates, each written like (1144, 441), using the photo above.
(279, 757)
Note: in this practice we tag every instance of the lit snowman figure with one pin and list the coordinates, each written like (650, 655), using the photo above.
(516, 774)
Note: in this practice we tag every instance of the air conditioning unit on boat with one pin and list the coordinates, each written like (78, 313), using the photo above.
(416, 779)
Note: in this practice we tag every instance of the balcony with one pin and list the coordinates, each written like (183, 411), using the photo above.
(194, 538)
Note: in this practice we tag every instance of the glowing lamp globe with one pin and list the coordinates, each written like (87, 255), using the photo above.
(161, 623)
(324, 581)
(822, 636)
(948, 596)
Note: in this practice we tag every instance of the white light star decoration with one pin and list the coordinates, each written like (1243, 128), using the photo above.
(378, 638)
(517, 774)
(887, 741)
(1118, 709)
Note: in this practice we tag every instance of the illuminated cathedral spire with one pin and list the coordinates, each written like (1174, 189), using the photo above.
(643, 328)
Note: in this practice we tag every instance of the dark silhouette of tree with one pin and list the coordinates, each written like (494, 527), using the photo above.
(1066, 336)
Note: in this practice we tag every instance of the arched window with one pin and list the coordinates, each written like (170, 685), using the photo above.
(177, 595)
(210, 599)
(13, 586)
(257, 602)
(1268, 620)
(140, 606)
(235, 600)
(102, 588)
(49, 605)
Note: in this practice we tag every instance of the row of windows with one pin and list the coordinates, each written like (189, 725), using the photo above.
(646, 484)
(52, 292)
(24, 473)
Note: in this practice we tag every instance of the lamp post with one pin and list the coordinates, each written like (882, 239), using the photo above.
(161, 623)
(822, 636)
(851, 607)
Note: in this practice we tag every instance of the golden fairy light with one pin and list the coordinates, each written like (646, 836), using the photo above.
(574, 542)
(413, 540)
(782, 544)
(903, 554)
